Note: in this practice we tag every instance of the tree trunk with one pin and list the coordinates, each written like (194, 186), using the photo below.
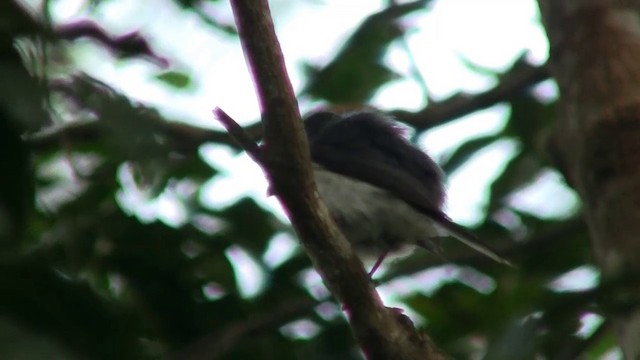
(595, 58)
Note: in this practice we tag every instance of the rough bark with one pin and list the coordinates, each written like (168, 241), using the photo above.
(595, 58)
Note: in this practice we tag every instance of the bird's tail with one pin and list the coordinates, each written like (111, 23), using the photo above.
(466, 237)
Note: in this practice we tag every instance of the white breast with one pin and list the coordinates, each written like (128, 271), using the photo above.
(370, 217)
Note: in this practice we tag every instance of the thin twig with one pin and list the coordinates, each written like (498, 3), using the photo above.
(414, 69)
(237, 133)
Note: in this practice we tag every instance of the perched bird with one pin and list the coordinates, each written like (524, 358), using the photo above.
(382, 191)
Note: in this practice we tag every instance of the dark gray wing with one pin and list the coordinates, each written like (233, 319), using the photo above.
(367, 147)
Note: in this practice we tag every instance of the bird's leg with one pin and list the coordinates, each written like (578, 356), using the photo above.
(375, 267)
(377, 264)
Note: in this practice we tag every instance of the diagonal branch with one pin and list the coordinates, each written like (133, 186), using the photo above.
(381, 332)
(512, 83)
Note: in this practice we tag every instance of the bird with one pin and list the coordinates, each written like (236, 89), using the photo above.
(383, 192)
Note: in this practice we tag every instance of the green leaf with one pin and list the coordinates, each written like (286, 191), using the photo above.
(517, 342)
(357, 72)
(465, 151)
(520, 171)
(68, 310)
(529, 122)
(251, 225)
(164, 279)
(176, 79)
(21, 343)
(455, 300)
(602, 345)
(16, 183)
(564, 245)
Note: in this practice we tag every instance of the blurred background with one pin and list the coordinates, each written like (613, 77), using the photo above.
(132, 227)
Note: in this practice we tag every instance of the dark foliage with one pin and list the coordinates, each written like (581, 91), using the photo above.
(82, 277)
